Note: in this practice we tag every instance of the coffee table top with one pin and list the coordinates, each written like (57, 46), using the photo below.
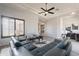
(41, 45)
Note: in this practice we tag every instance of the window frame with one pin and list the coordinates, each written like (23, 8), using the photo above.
(14, 26)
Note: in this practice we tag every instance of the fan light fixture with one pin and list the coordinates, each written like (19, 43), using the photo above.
(46, 11)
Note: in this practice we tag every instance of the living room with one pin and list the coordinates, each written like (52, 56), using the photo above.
(26, 21)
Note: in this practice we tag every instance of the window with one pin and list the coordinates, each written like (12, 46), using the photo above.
(19, 27)
(12, 26)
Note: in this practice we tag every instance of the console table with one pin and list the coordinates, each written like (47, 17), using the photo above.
(74, 36)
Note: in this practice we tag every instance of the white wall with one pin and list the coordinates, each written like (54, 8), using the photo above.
(51, 27)
(32, 24)
(56, 26)
(31, 20)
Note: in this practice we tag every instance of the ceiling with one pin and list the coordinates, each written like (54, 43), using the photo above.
(61, 8)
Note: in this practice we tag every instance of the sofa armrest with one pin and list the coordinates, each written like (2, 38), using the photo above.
(21, 52)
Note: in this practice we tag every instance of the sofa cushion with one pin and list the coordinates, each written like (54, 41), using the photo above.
(42, 50)
(55, 52)
(63, 43)
(29, 46)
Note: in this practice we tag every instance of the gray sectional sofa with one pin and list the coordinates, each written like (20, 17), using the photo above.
(55, 48)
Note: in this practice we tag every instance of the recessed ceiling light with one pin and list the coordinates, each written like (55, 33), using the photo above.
(73, 13)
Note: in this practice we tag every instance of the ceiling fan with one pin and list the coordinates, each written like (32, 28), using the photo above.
(46, 11)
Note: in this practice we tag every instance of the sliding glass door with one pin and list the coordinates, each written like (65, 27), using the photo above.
(19, 27)
(12, 27)
(7, 26)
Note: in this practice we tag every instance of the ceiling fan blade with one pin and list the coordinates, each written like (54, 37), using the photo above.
(51, 12)
(41, 12)
(43, 9)
(51, 8)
